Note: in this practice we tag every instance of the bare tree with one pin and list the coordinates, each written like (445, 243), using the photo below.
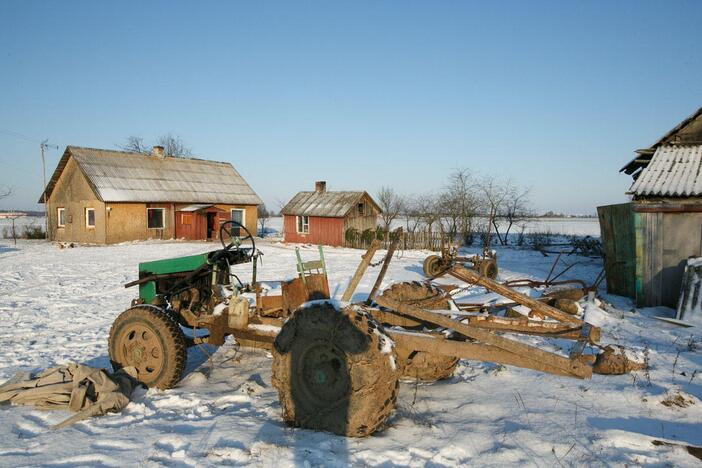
(134, 144)
(459, 203)
(391, 205)
(492, 193)
(515, 207)
(173, 146)
(263, 217)
(427, 206)
(411, 212)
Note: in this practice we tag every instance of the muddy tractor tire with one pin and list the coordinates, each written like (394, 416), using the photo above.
(147, 338)
(335, 370)
(488, 268)
(434, 266)
(422, 365)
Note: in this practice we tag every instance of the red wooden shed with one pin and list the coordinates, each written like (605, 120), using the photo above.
(322, 217)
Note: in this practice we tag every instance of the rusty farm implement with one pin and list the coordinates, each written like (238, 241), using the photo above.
(336, 364)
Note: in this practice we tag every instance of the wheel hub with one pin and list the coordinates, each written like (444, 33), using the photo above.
(324, 373)
(141, 347)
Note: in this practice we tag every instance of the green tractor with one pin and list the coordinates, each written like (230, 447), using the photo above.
(313, 354)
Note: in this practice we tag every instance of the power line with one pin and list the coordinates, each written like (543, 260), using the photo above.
(20, 135)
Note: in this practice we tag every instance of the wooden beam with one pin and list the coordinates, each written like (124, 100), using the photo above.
(553, 360)
(474, 351)
(386, 264)
(360, 271)
(491, 322)
(473, 277)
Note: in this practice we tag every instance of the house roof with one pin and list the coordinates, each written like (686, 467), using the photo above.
(689, 131)
(325, 204)
(674, 171)
(121, 176)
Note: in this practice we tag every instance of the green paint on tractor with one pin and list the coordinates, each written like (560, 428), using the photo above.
(147, 290)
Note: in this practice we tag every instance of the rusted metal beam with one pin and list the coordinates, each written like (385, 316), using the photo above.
(569, 366)
(472, 277)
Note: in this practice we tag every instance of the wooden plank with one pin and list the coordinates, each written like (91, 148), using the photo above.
(475, 351)
(386, 264)
(473, 277)
(360, 270)
(487, 337)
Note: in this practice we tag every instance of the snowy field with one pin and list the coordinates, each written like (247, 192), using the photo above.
(57, 305)
(564, 226)
(20, 223)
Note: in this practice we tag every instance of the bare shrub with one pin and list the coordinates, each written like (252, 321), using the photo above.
(391, 205)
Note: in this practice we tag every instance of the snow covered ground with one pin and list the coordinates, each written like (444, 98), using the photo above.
(57, 305)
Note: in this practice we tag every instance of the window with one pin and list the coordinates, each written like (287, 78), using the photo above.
(155, 218)
(61, 217)
(361, 209)
(186, 219)
(239, 216)
(303, 224)
(90, 217)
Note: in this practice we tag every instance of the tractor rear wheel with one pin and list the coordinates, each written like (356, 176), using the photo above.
(335, 370)
(422, 365)
(147, 338)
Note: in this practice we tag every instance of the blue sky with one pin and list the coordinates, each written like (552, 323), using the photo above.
(556, 95)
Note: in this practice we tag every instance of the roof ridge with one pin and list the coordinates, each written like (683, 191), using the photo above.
(184, 158)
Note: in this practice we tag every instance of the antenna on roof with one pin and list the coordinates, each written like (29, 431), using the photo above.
(45, 145)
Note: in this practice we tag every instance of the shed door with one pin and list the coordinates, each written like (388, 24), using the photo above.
(619, 245)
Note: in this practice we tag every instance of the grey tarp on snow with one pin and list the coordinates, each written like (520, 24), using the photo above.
(85, 390)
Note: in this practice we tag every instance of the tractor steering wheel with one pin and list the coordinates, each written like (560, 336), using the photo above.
(234, 235)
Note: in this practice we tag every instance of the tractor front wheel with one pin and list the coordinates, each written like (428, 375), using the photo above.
(335, 370)
(147, 338)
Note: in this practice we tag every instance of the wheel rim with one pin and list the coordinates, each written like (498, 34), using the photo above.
(434, 267)
(140, 346)
(322, 373)
(491, 270)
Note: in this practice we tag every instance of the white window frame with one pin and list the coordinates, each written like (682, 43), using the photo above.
(163, 218)
(243, 215)
(302, 224)
(87, 218)
(60, 211)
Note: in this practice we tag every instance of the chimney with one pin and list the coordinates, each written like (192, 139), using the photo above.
(320, 186)
(158, 152)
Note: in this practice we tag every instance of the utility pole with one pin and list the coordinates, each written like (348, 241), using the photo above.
(44, 145)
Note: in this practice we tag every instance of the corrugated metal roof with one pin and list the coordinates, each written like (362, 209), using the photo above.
(686, 132)
(119, 176)
(674, 171)
(324, 204)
